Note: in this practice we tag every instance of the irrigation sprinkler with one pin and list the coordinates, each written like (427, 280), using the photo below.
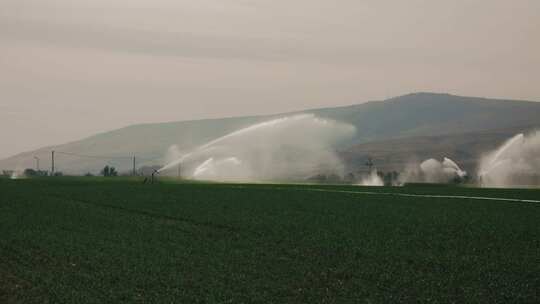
(37, 162)
(153, 173)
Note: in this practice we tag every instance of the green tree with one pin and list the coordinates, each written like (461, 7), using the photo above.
(109, 171)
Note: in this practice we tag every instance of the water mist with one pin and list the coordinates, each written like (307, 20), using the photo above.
(288, 148)
(515, 163)
(373, 179)
(433, 171)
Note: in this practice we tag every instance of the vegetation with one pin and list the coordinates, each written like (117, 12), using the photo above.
(109, 171)
(33, 173)
(91, 239)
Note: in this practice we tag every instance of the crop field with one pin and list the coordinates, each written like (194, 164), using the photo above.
(99, 240)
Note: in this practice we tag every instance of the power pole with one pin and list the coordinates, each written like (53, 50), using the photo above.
(134, 166)
(369, 164)
(37, 162)
(52, 163)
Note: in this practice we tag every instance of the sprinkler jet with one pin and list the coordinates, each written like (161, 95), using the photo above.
(153, 173)
(152, 178)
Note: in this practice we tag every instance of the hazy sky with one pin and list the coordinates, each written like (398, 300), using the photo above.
(71, 68)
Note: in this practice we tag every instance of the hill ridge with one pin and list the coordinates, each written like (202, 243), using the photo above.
(410, 115)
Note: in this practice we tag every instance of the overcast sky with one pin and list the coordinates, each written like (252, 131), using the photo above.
(71, 68)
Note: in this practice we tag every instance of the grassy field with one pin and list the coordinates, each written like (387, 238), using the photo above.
(97, 240)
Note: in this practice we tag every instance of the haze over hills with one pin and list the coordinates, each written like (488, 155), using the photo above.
(392, 131)
(397, 154)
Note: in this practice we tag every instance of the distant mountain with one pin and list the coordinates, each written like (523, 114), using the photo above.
(427, 114)
(414, 116)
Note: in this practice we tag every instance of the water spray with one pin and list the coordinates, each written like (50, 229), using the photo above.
(516, 162)
(434, 171)
(446, 171)
(289, 148)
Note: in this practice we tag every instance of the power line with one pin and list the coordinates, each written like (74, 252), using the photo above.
(94, 156)
(107, 157)
(149, 159)
(112, 160)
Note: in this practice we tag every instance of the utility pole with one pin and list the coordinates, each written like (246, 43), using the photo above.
(52, 163)
(134, 166)
(37, 162)
(369, 164)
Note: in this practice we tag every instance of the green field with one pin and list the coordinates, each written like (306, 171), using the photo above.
(98, 240)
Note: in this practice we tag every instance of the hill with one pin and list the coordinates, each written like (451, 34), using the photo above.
(414, 115)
